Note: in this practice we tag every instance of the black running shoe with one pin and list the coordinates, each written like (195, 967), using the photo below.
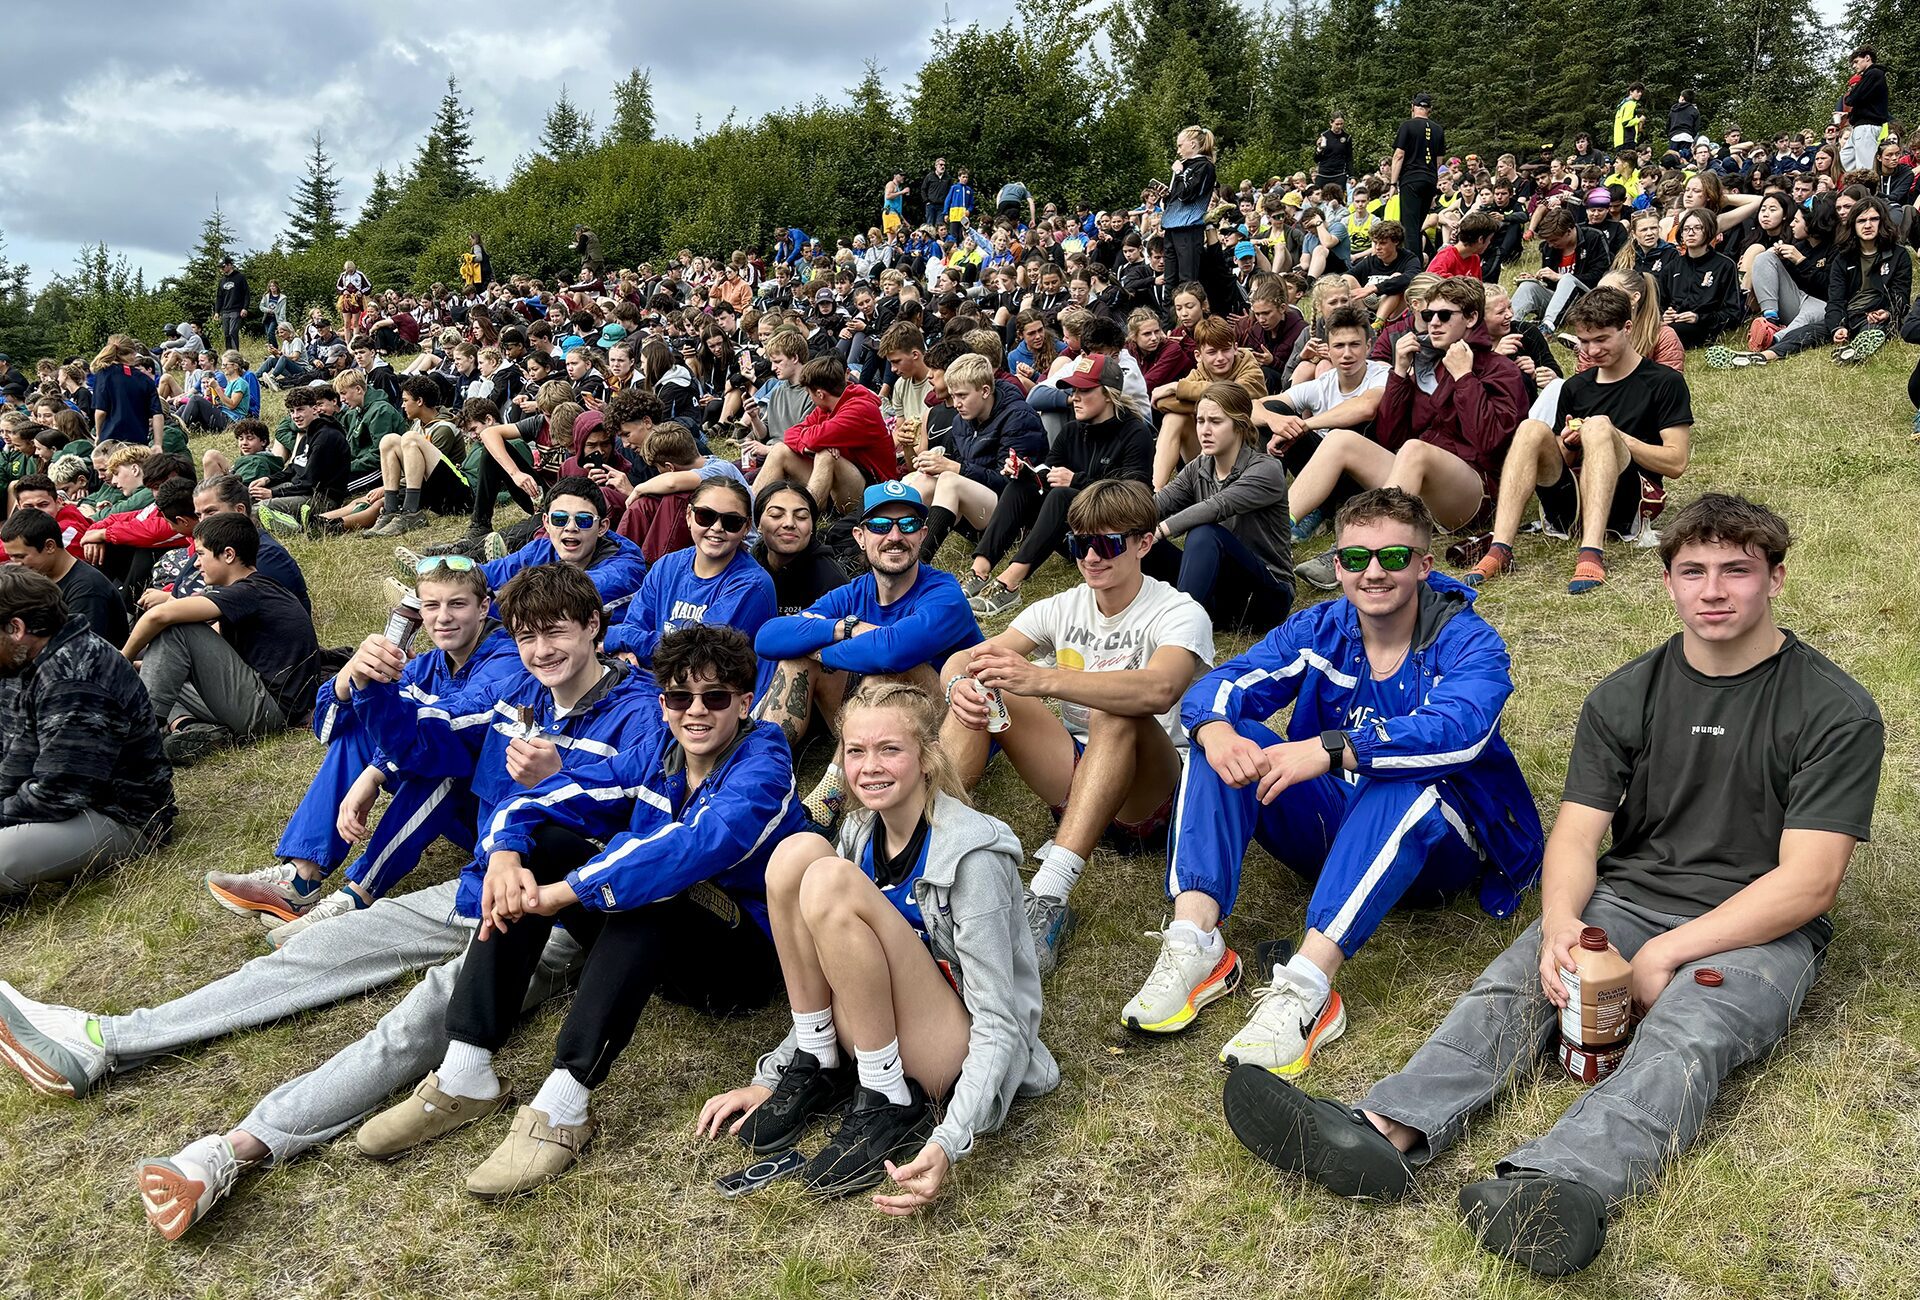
(1553, 1226)
(868, 1135)
(805, 1092)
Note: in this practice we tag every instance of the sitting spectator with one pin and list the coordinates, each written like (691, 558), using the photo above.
(220, 399)
(257, 457)
(1271, 329)
(420, 467)
(83, 781)
(842, 446)
(1446, 417)
(1700, 288)
(780, 402)
(993, 428)
(575, 533)
(1124, 648)
(597, 447)
(1384, 273)
(1573, 257)
(1345, 396)
(226, 495)
(1870, 283)
(368, 418)
(654, 515)
(1219, 359)
(1614, 433)
(1470, 241)
(1525, 344)
(315, 477)
(789, 548)
(1228, 505)
(252, 677)
(32, 538)
(37, 492)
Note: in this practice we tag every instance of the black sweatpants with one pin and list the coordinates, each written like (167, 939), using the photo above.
(486, 490)
(675, 947)
(1042, 514)
(1416, 201)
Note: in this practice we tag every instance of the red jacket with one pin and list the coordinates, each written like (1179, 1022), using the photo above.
(73, 526)
(855, 429)
(146, 528)
(1473, 417)
(1449, 262)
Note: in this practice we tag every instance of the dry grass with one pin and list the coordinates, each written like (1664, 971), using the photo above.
(1125, 1182)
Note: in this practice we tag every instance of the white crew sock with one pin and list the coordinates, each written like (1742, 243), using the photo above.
(813, 1033)
(881, 1071)
(563, 1100)
(1209, 941)
(467, 1071)
(1059, 869)
(1311, 974)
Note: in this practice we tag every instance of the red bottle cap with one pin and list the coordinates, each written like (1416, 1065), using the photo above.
(1708, 976)
(1593, 938)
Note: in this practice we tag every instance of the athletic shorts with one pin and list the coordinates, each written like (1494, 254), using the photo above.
(1151, 827)
(1560, 505)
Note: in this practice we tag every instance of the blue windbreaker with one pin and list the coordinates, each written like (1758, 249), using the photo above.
(424, 680)
(466, 736)
(661, 840)
(617, 569)
(925, 626)
(1314, 661)
(673, 596)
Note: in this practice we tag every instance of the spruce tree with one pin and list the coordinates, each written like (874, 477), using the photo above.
(380, 199)
(445, 168)
(632, 109)
(199, 280)
(315, 215)
(568, 132)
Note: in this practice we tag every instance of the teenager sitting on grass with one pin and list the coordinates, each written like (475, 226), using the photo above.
(1616, 430)
(467, 650)
(1125, 647)
(420, 466)
(314, 479)
(993, 428)
(1218, 359)
(1393, 784)
(655, 515)
(1735, 769)
(32, 539)
(900, 619)
(256, 456)
(575, 533)
(674, 903)
(715, 580)
(909, 969)
(789, 548)
(83, 781)
(841, 446)
(572, 694)
(253, 676)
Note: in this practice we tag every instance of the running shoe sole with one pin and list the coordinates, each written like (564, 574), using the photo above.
(43, 1063)
(875, 1174)
(248, 907)
(1331, 1024)
(169, 1196)
(1300, 1134)
(1550, 1226)
(1221, 981)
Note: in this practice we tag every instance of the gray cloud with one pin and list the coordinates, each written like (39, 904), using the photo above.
(133, 150)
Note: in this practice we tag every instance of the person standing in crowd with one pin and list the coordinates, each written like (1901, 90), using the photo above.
(1183, 209)
(1333, 155)
(933, 192)
(231, 302)
(1414, 172)
(1629, 119)
(1731, 834)
(1865, 108)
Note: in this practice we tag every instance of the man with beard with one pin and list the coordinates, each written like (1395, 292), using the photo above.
(899, 620)
(82, 776)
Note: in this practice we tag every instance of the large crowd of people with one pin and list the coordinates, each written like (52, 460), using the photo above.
(762, 506)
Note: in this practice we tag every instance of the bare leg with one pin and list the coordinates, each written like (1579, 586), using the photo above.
(1129, 769)
(390, 475)
(1535, 446)
(1451, 488)
(1342, 451)
(847, 484)
(415, 455)
(1171, 447)
(1603, 456)
(214, 464)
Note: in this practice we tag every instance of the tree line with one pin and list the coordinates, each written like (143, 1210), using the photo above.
(1033, 100)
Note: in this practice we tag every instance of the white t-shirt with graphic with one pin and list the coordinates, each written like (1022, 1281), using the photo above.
(1071, 627)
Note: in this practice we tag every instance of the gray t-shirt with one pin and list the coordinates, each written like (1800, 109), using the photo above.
(1702, 774)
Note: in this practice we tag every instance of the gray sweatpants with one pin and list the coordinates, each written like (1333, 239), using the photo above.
(1802, 316)
(324, 964)
(1619, 1135)
(1551, 302)
(191, 671)
(33, 852)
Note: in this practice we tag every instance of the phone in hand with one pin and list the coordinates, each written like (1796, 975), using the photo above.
(760, 1173)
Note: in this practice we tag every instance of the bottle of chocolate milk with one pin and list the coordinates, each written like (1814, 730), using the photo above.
(1598, 1016)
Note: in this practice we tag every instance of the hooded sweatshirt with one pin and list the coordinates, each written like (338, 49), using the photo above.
(617, 567)
(855, 429)
(969, 899)
(1012, 425)
(1473, 417)
(1120, 447)
(1246, 372)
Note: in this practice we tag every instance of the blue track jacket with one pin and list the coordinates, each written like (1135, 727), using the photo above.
(925, 626)
(1313, 661)
(465, 736)
(424, 680)
(659, 839)
(617, 569)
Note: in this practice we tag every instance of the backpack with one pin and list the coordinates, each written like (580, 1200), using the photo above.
(253, 395)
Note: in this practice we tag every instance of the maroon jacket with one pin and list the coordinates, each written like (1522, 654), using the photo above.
(1473, 417)
(1170, 363)
(1278, 343)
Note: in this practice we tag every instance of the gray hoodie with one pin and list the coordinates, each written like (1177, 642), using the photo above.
(971, 903)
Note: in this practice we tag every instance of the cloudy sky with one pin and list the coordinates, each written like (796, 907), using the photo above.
(132, 147)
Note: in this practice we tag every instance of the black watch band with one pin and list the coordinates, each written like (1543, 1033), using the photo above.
(1335, 743)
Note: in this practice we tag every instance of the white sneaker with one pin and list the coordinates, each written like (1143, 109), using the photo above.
(48, 1045)
(338, 903)
(1290, 1019)
(177, 1191)
(1183, 980)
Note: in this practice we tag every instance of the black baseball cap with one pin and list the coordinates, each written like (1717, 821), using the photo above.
(1423, 100)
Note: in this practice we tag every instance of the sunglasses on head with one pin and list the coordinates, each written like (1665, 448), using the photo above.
(681, 701)
(581, 519)
(1105, 545)
(455, 563)
(1438, 315)
(1355, 559)
(881, 525)
(707, 517)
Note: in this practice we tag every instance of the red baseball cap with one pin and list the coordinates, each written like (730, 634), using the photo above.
(1088, 372)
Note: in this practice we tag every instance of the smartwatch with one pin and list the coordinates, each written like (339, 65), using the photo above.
(847, 625)
(1335, 743)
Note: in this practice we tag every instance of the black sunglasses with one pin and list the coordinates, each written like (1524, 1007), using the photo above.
(1438, 315)
(707, 517)
(881, 525)
(1105, 545)
(681, 701)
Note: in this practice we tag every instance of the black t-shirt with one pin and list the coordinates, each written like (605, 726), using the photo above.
(88, 591)
(1652, 398)
(1424, 143)
(1702, 774)
(272, 631)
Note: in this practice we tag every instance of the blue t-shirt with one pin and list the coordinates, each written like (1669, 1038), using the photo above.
(898, 875)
